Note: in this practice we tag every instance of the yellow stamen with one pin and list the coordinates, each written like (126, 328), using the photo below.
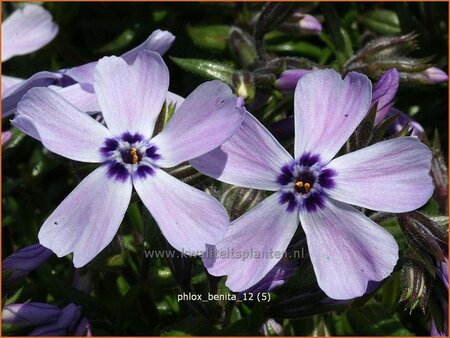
(307, 187)
(134, 155)
(299, 184)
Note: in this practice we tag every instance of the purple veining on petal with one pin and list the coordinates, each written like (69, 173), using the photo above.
(144, 171)
(132, 138)
(326, 178)
(314, 201)
(110, 145)
(152, 152)
(308, 159)
(289, 198)
(286, 175)
(118, 171)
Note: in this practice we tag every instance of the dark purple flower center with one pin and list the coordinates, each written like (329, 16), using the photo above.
(304, 183)
(129, 155)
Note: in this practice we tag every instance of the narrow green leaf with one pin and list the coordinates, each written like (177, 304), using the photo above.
(14, 298)
(382, 21)
(208, 69)
(298, 47)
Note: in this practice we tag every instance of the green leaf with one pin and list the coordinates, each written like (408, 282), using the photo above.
(382, 21)
(14, 298)
(374, 320)
(348, 48)
(208, 69)
(122, 285)
(298, 47)
(210, 37)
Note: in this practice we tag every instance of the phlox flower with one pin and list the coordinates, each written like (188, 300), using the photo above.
(76, 84)
(130, 97)
(26, 30)
(346, 248)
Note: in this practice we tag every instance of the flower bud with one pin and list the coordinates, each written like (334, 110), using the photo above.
(83, 328)
(423, 234)
(415, 283)
(244, 85)
(429, 76)
(64, 325)
(24, 261)
(307, 23)
(403, 120)
(435, 75)
(271, 328)
(384, 93)
(242, 46)
(6, 137)
(30, 314)
(287, 81)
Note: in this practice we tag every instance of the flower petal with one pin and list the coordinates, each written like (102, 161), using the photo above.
(63, 129)
(347, 249)
(83, 100)
(12, 96)
(26, 30)
(159, 41)
(9, 81)
(83, 74)
(328, 110)
(384, 93)
(391, 176)
(131, 96)
(87, 220)
(252, 158)
(208, 117)
(188, 218)
(254, 243)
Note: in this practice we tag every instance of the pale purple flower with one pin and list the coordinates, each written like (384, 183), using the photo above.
(30, 314)
(26, 260)
(77, 84)
(131, 97)
(346, 248)
(26, 30)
